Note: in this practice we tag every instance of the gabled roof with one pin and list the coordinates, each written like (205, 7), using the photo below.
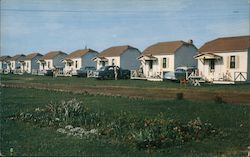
(79, 53)
(162, 48)
(4, 58)
(114, 51)
(31, 56)
(17, 57)
(226, 44)
(52, 54)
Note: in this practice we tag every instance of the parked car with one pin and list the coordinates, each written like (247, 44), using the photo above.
(48, 73)
(82, 72)
(181, 72)
(108, 72)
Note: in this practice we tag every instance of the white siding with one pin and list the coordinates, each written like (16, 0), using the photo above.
(128, 59)
(158, 65)
(115, 60)
(27, 66)
(48, 64)
(82, 62)
(52, 63)
(222, 67)
(99, 63)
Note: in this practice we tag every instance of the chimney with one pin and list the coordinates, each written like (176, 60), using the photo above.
(190, 41)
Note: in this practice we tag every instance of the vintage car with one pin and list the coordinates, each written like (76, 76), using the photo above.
(108, 72)
(82, 72)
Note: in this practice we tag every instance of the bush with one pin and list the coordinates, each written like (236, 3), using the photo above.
(179, 96)
(74, 119)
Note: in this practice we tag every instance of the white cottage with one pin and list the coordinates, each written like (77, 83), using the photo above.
(4, 61)
(29, 63)
(79, 59)
(225, 60)
(15, 65)
(122, 56)
(51, 60)
(164, 57)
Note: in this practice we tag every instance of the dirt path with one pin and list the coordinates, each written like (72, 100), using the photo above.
(153, 93)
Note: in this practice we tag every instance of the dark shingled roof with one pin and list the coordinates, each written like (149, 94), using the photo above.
(17, 57)
(52, 54)
(226, 44)
(114, 51)
(162, 48)
(4, 58)
(79, 53)
(31, 56)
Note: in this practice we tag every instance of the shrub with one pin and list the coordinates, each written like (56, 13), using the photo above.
(73, 118)
(179, 96)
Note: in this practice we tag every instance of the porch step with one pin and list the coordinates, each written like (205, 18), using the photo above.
(154, 79)
(223, 82)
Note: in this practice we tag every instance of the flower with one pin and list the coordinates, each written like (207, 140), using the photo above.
(68, 127)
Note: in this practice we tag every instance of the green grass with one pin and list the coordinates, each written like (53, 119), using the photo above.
(26, 139)
(128, 83)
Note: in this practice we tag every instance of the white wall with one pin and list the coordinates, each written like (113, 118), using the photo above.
(48, 64)
(27, 66)
(82, 62)
(222, 66)
(116, 61)
(184, 56)
(158, 65)
(75, 65)
(99, 63)
(128, 60)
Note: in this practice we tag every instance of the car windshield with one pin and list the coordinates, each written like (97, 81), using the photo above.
(180, 70)
(102, 69)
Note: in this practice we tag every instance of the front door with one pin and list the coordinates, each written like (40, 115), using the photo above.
(150, 68)
(211, 65)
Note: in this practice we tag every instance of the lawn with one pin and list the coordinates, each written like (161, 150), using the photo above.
(125, 83)
(231, 123)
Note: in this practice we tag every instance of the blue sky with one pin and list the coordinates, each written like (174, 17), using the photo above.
(68, 25)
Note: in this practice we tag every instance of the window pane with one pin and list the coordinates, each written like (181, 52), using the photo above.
(232, 62)
(164, 62)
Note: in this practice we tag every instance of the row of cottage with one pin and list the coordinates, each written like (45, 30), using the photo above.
(222, 59)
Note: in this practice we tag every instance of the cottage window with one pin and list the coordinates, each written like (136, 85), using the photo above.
(150, 64)
(232, 62)
(113, 61)
(211, 64)
(76, 64)
(48, 64)
(164, 63)
(27, 65)
(103, 63)
(69, 64)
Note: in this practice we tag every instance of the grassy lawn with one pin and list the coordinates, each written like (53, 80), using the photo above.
(127, 83)
(232, 121)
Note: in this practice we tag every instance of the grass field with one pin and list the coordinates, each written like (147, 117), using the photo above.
(126, 83)
(232, 121)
